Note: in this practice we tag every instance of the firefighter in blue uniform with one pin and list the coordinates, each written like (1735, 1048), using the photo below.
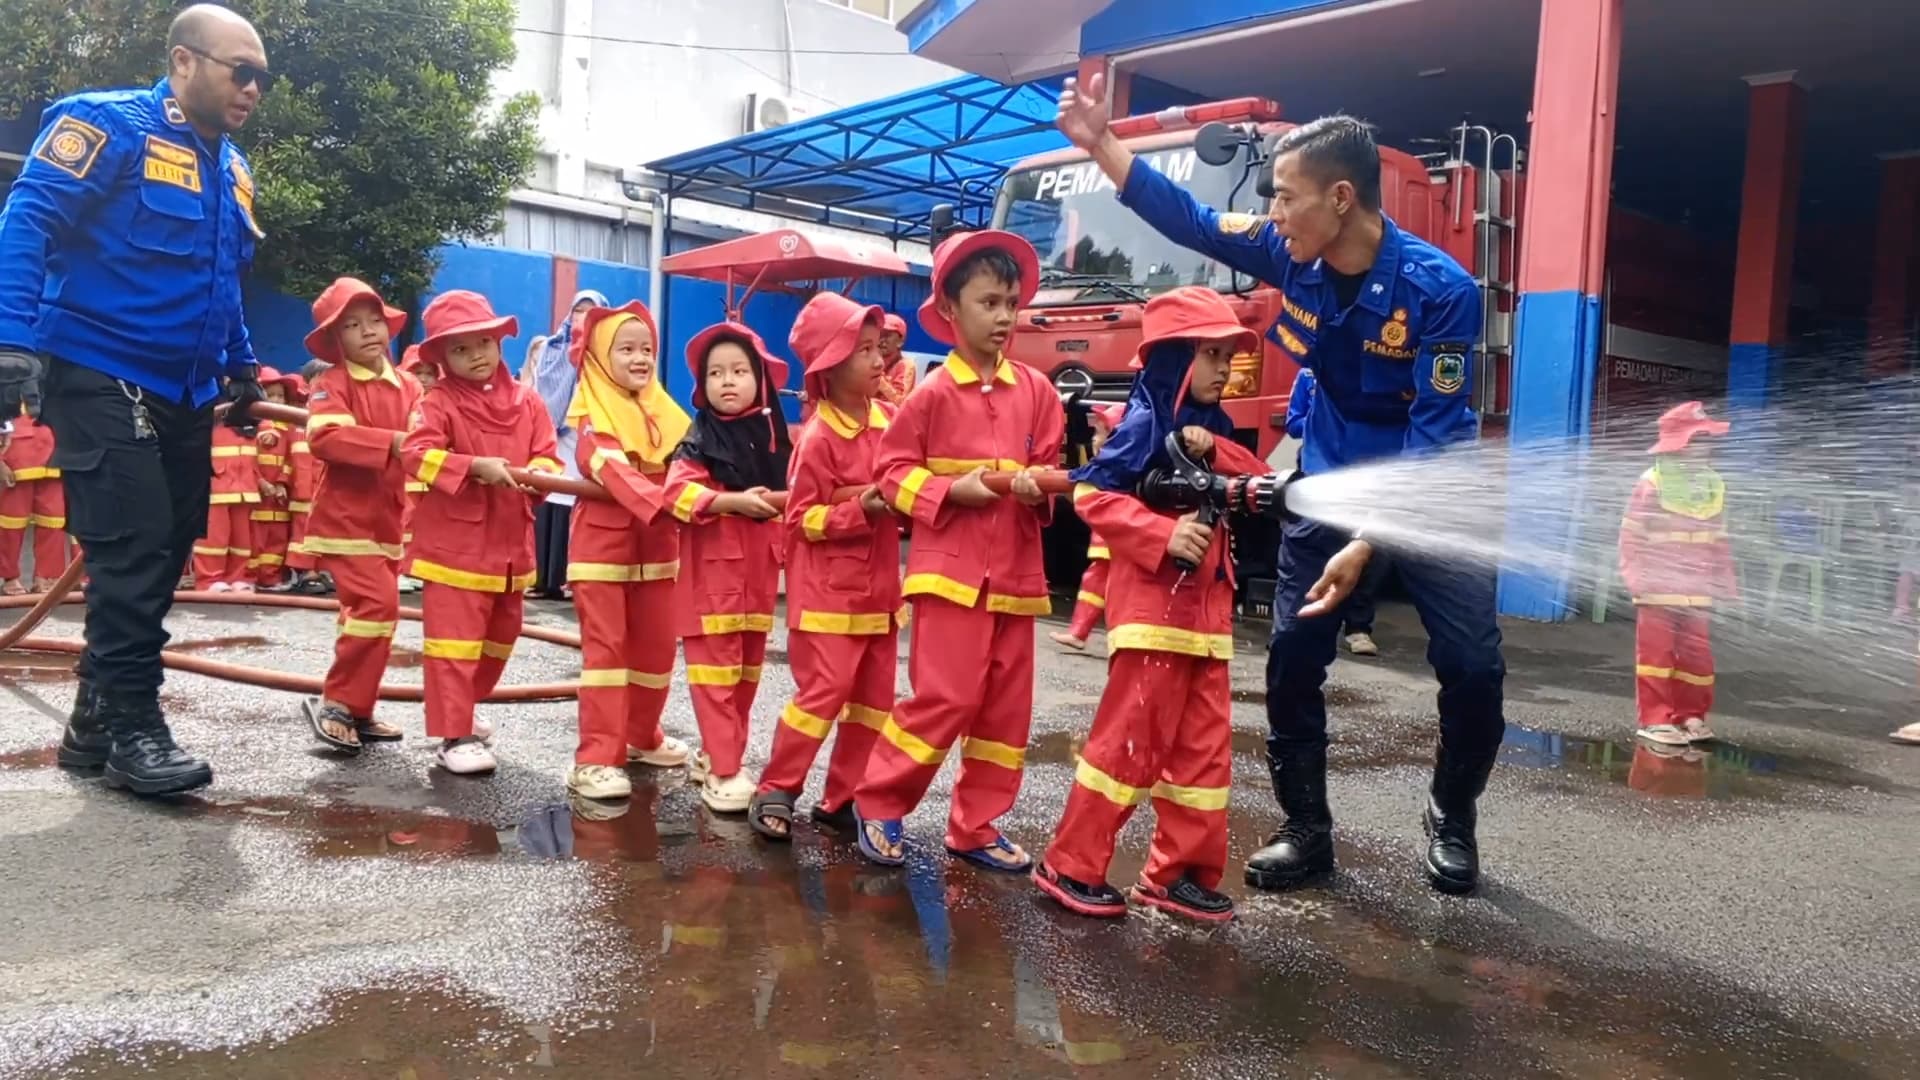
(1386, 322)
(122, 246)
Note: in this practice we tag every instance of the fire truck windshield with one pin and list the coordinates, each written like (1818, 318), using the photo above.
(1091, 246)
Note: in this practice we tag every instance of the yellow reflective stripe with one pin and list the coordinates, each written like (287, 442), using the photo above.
(706, 937)
(904, 613)
(415, 487)
(734, 624)
(649, 680)
(1674, 600)
(302, 447)
(466, 579)
(912, 745)
(546, 465)
(751, 673)
(622, 572)
(941, 586)
(272, 459)
(1092, 599)
(1082, 490)
(1686, 537)
(523, 582)
(814, 522)
(1169, 639)
(272, 516)
(451, 649)
(602, 457)
(497, 650)
(866, 716)
(269, 559)
(318, 421)
(1002, 604)
(949, 466)
(993, 753)
(203, 549)
(689, 496)
(48, 521)
(1194, 798)
(838, 622)
(430, 465)
(229, 498)
(1100, 783)
(804, 722)
(1648, 671)
(1093, 1053)
(236, 451)
(15, 523)
(603, 677)
(366, 628)
(1100, 552)
(331, 545)
(713, 675)
(35, 472)
(300, 507)
(917, 478)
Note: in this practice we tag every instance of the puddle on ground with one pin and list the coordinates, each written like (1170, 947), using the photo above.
(1063, 747)
(405, 656)
(38, 757)
(1716, 770)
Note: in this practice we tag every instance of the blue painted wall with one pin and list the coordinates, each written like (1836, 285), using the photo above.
(1130, 24)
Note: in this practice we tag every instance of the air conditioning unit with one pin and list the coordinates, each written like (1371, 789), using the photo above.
(765, 111)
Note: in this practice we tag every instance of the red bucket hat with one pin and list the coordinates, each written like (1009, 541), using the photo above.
(827, 332)
(954, 250)
(410, 359)
(583, 334)
(704, 340)
(295, 386)
(893, 324)
(332, 303)
(1681, 423)
(1191, 312)
(460, 312)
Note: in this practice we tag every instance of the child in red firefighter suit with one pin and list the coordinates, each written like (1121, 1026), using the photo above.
(426, 376)
(900, 372)
(273, 518)
(32, 495)
(735, 452)
(843, 587)
(1676, 561)
(623, 556)
(1163, 729)
(473, 530)
(1092, 601)
(974, 571)
(223, 556)
(358, 412)
(303, 478)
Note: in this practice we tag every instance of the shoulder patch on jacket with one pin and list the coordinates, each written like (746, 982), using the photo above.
(72, 146)
(1238, 224)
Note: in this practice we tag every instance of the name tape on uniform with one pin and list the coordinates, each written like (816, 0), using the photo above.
(169, 163)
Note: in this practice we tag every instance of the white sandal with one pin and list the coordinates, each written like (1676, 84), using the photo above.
(1663, 734)
(670, 754)
(727, 794)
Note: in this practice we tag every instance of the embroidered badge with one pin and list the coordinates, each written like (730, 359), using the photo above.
(72, 146)
(1449, 372)
(317, 395)
(1289, 340)
(1237, 224)
(1394, 334)
(243, 194)
(175, 114)
(171, 164)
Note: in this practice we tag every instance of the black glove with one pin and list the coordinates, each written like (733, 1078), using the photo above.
(19, 383)
(244, 392)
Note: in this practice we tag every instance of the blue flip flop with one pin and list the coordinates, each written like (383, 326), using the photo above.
(894, 833)
(979, 857)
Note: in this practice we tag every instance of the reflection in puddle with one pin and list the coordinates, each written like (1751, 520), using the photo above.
(1716, 770)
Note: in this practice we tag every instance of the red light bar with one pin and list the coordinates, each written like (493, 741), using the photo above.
(1238, 110)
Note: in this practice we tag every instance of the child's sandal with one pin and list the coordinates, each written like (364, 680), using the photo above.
(775, 806)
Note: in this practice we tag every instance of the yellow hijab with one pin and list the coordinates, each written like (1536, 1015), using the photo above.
(648, 422)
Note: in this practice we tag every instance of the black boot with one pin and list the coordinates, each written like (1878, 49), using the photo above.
(87, 742)
(145, 760)
(1303, 847)
(1453, 854)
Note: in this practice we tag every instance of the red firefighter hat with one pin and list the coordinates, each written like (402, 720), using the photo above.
(893, 324)
(1191, 312)
(954, 250)
(1681, 423)
(410, 359)
(461, 311)
(704, 341)
(296, 387)
(332, 303)
(1110, 415)
(827, 332)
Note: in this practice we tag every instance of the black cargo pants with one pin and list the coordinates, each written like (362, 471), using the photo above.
(136, 502)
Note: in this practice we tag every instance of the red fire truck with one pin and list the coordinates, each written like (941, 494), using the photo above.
(1100, 263)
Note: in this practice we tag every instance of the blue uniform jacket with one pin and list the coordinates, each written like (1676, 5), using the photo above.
(1300, 403)
(1394, 371)
(123, 243)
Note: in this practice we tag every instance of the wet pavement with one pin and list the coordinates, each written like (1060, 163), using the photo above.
(1744, 911)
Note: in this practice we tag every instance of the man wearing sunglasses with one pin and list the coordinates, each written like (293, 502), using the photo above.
(122, 247)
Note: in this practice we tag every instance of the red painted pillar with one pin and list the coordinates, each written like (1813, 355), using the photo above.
(1769, 210)
(1896, 237)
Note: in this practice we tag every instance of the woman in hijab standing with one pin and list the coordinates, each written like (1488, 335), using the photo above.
(553, 378)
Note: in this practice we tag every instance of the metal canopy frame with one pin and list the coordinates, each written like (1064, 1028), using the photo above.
(882, 166)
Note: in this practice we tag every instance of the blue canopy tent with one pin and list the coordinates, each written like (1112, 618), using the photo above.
(882, 166)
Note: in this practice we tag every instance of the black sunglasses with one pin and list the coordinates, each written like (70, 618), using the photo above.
(243, 72)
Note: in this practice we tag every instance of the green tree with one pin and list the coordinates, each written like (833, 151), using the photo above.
(381, 140)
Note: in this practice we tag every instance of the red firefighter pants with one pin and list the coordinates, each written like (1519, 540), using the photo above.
(1093, 599)
(1163, 731)
(368, 590)
(723, 675)
(223, 553)
(626, 653)
(272, 530)
(1673, 664)
(843, 678)
(469, 636)
(972, 673)
(298, 559)
(42, 504)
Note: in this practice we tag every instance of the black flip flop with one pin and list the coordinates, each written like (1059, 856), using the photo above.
(363, 726)
(777, 805)
(840, 820)
(316, 716)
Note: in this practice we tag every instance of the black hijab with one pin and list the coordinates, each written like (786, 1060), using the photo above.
(749, 449)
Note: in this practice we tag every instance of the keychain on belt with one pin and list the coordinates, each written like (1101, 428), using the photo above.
(142, 420)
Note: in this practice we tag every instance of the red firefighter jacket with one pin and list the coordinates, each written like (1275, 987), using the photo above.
(729, 565)
(467, 534)
(956, 421)
(303, 472)
(353, 415)
(31, 451)
(236, 475)
(1673, 554)
(627, 539)
(843, 572)
(1145, 609)
(274, 465)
